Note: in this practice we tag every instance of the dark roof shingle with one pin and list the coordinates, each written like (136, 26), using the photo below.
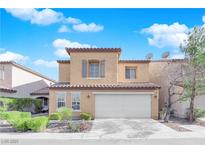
(6, 89)
(42, 91)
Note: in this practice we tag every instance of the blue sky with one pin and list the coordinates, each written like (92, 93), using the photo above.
(37, 37)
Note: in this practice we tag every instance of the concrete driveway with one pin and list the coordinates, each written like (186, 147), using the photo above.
(111, 131)
(127, 129)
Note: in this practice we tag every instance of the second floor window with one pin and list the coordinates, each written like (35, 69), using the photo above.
(130, 73)
(61, 98)
(1, 73)
(94, 69)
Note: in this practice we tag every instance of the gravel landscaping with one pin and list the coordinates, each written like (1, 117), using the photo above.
(179, 124)
(54, 126)
(77, 126)
(177, 127)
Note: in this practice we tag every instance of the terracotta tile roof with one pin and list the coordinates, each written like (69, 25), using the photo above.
(26, 69)
(137, 60)
(135, 85)
(69, 50)
(42, 91)
(134, 61)
(63, 61)
(6, 89)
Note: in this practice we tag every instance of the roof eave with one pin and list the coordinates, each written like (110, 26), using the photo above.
(69, 50)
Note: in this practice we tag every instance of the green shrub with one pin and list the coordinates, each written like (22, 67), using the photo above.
(86, 116)
(55, 116)
(20, 124)
(4, 115)
(37, 124)
(199, 112)
(25, 114)
(22, 121)
(20, 104)
(14, 115)
(65, 113)
(74, 127)
(17, 119)
(5, 103)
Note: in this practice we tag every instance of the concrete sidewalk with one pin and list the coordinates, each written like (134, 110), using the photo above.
(160, 141)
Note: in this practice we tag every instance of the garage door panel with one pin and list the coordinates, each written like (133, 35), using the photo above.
(122, 106)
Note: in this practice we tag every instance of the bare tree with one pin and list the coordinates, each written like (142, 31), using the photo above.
(172, 77)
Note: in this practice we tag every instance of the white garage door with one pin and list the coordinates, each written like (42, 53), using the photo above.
(123, 105)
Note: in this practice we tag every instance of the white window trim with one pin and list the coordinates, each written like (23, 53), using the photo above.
(72, 100)
(57, 98)
(135, 74)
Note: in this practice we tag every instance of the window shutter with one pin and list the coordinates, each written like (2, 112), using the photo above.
(102, 68)
(84, 68)
(127, 73)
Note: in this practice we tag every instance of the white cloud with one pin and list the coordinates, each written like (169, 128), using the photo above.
(60, 44)
(73, 20)
(164, 35)
(178, 56)
(49, 16)
(42, 17)
(64, 29)
(92, 27)
(23, 14)
(44, 63)
(12, 56)
(203, 18)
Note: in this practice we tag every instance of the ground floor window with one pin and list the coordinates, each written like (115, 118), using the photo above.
(61, 98)
(75, 101)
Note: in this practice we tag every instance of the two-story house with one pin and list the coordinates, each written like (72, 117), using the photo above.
(95, 80)
(19, 81)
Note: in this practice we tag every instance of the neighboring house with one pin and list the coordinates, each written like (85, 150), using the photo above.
(158, 74)
(18, 81)
(95, 80)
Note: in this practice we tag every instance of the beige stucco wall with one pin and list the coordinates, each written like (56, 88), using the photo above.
(114, 70)
(142, 73)
(155, 72)
(88, 100)
(64, 72)
(86, 105)
(7, 82)
(111, 61)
